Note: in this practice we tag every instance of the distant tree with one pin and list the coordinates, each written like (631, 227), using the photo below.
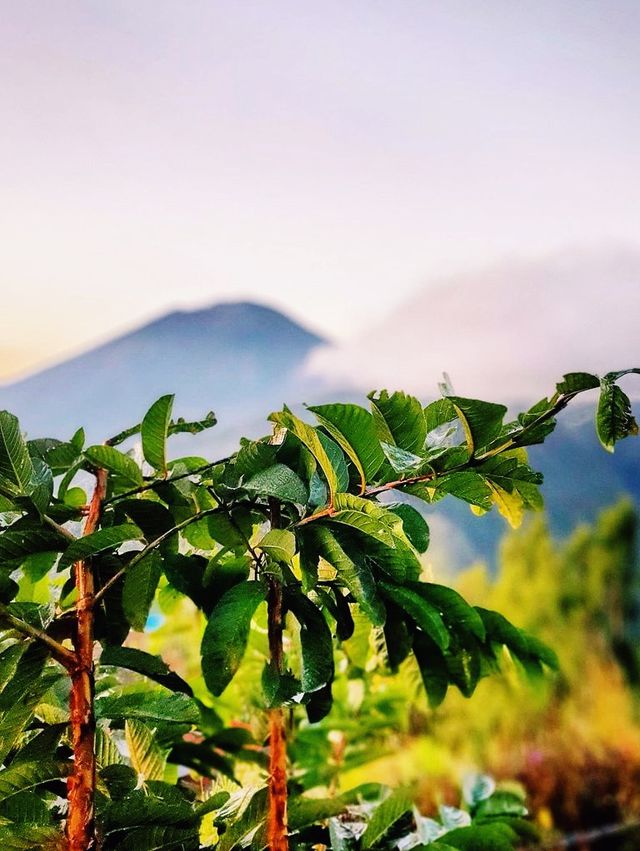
(298, 523)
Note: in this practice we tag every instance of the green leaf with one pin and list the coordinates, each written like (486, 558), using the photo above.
(160, 838)
(414, 525)
(281, 482)
(225, 637)
(115, 462)
(107, 752)
(41, 485)
(489, 837)
(467, 485)
(15, 462)
(345, 625)
(397, 640)
(365, 516)
(153, 667)
(99, 542)
(315, 639)
(356, 576)
(454, 609)
(28, 775)
(385, 816)
(154, 429)
(433, 668)
(21, 540)
(425, 615)
(253, 457)
(576, 382)
(353, 428)
(614, 418)
(181, 426)
(150, 706)
(30, 837)
(253, 815)
(482, 421)
(308, 435)
(280, 544)
(338, 461)
(403, 462)
(145, 755)
(230, 530)
(438, 414)
(140, 584)
(401, 418)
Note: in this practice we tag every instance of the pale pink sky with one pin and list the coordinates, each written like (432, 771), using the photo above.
(328, 157)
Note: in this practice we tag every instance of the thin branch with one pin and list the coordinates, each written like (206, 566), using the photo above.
(152, 546)
(156, 482)
(59, 652)
(61, 530)
(513, 442)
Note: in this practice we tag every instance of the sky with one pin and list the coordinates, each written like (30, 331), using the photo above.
(331, 159)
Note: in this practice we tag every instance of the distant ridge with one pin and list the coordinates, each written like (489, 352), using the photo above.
(237, 358)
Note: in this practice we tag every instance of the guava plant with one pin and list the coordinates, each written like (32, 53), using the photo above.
(301, 523)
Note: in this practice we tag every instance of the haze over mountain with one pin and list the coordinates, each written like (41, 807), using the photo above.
(507, 332)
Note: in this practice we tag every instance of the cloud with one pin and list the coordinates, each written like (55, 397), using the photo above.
(506, 332)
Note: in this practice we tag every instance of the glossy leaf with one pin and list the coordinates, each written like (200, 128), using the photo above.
(280, 544)
(315, 639)
(153, 667)
(364, 516)
(353, 428)
(15, 461)
(280, 482)
(101, 541)
(576, 382)
(385, 816)
(482, 421)
(149, 706)
(154, 430)
(401, 418)
(140, 584)
(425, 615)
(414, 525)
(145, 755)
(115, 462)
(307, 435)
(227, 632)
(614, 418)
(356, 576)
(454, 609)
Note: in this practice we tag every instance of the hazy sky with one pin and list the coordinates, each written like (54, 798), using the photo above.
(328, 157)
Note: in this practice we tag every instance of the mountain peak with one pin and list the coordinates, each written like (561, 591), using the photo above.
(229, 357)
(237, 317)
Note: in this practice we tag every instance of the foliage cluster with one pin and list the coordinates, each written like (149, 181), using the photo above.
(294, 529)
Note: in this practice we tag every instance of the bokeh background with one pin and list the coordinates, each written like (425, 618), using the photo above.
(256, 203)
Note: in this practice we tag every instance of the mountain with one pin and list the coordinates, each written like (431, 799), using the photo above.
(239, 359)
(505, 333)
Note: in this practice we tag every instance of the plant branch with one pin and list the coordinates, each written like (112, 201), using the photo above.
(61, 530)
(152, 546)
(59, 652)
(513, 442)
(81, 785)
(156, 482)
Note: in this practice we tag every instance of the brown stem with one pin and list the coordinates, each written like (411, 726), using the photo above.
(277, 819)
(82, 782)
